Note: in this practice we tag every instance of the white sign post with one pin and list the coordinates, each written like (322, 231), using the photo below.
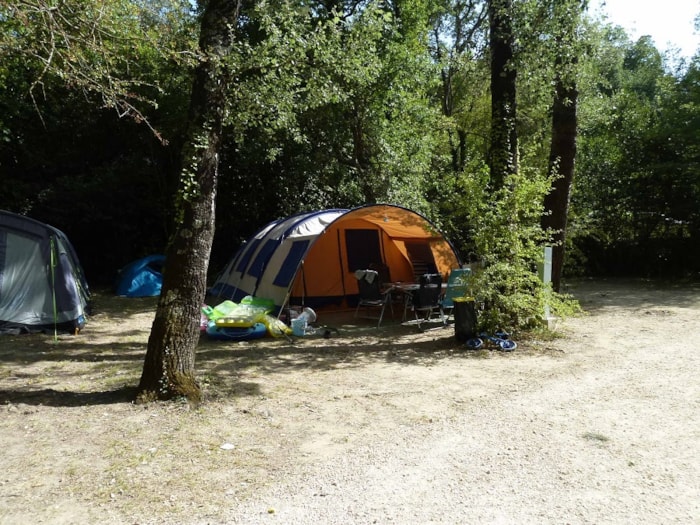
(545, 272)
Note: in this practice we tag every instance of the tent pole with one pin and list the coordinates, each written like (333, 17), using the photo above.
(289, 290)
(342, 266)
(52, 248)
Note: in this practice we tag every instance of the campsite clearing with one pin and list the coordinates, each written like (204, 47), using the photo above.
(601, 425)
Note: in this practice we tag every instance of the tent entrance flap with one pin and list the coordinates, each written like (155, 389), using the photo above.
(421, 257)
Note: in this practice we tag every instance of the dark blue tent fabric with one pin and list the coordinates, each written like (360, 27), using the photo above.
(141, 278)
(42, 284)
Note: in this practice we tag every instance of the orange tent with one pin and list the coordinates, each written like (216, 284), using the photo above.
(310, 259)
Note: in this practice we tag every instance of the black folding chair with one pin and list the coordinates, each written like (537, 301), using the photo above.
(371, 294)
(426, 299)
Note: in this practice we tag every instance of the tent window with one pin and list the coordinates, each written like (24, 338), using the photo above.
(245, 259)
(291, 263)
(258, 267)
(362, 248)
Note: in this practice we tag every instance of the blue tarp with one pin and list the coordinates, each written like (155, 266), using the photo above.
(141, 278)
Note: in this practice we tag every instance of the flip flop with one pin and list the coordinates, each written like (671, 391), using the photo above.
(507, 345)
(474, 343)
(501, 340)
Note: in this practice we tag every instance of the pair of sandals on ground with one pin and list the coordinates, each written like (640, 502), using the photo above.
(500, 339)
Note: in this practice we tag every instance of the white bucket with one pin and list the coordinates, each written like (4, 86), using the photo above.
(308, 315)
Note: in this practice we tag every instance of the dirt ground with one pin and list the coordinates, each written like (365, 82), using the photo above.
(598, 425)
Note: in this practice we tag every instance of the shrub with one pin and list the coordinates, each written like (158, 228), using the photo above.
(510, 245)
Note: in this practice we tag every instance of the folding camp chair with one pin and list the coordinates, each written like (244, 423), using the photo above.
(456, 287)
(371, 294)
(426, 299)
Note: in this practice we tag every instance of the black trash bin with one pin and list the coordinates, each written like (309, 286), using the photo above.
(465, 319)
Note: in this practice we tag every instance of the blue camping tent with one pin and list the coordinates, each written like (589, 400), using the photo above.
(141, 278)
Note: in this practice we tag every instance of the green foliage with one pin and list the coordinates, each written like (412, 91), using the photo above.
(111, 51)
(68, 72)
(637, 162)
(340, 103)
(509, 242)
(333, 106)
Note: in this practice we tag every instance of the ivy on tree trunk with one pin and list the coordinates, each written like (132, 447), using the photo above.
(168, 370)
(562, 155)
(504, 138)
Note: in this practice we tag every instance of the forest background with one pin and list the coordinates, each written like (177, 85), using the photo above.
(394, 108)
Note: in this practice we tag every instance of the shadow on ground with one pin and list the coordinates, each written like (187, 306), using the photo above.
(103, 364)
(57, 398)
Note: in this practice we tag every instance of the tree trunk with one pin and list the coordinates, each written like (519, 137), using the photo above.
(168, 370)
(504, 138)
(561, 162)
(564, 129)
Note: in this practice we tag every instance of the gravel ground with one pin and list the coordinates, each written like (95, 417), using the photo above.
(599, 426)
(609, 433)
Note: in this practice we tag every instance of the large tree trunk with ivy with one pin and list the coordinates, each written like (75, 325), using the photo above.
(562, 153)
(504, 138)
(168, 370)
(562, 156)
